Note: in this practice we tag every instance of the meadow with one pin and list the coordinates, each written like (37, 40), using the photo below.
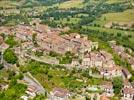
(125, 16)
(70, 4)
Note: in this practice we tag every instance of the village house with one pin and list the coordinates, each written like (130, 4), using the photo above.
(127, 84)
(128, 94)
(86, 62)
(3, 46)
(93, 60)
(24, 32)
(103, 97)
(75, 62)
(107, 87)
(31, 91)
(98, 59)
(40, 28)
(131, 61)
(53, 42)
(59, 94)
(6, 30)
(110, 72)
(27, 45)
(4, 86)
(118, 49)
(125, 56)
(126, 73)
(81, 43)
(107, 55)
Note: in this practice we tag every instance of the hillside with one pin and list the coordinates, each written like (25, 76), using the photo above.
(66, 50)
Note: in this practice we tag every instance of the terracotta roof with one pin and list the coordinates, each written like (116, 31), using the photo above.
(59, 92)
(23, 29)
(103, 97)
(118, 48)
(108, 69)
(31, 88)
(5, 30)
(131, 61)
(106, 55)
(127, 83)
(128, 91)
(125, 55)
(126, 72)
(4, 46)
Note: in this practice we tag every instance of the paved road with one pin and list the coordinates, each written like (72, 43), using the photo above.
(32, 81)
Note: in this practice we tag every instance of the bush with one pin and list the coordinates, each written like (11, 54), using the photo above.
(118, 84)
(11, 41)
(1, 66)
(10, 56)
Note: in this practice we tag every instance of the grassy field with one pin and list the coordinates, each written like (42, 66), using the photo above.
(110, 30)
(114, 1)
(115, 31)
(51, 77)
(126, 16)
(72, 20)
(8, 4)
(70, 4)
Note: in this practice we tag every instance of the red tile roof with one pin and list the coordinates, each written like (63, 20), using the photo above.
(103, 97)
(59, 92)
(128, 91)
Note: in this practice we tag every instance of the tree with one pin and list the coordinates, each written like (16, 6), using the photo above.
(118, 34)
(11, 41)
(117, 84)
(1, 66)
(34, 39)
(10, 56)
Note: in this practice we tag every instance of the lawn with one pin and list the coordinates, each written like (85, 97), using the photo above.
(126, 16)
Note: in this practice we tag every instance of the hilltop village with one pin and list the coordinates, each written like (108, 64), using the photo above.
(69, 51)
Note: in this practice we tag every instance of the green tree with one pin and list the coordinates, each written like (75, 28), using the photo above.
(10, 56)
(11, 41)
(34, 39)
(118, 84)
(1, 66)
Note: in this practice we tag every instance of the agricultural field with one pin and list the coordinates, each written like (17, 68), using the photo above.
(8, 4)
(126, 16)
(69, 21)
(115, 1)
(70, 4)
